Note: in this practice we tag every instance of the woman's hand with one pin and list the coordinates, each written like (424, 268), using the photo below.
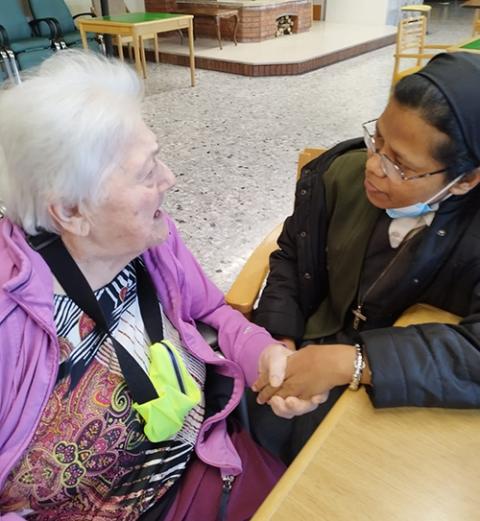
(310, 374)
(272, 365)
(293, 406)
(271, 370)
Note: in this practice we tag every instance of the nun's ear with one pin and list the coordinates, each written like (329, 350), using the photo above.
(466, 183)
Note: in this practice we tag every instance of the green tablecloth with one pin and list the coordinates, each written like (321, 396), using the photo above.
(472, 45)
(135, 18)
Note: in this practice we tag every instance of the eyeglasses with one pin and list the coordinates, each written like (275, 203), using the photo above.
(389, 167)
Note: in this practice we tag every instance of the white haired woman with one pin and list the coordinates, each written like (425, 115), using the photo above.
(106, 411)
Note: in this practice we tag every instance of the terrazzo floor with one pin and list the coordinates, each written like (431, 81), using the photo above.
(233, 141)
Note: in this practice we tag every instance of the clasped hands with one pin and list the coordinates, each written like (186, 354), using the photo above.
(296, 382)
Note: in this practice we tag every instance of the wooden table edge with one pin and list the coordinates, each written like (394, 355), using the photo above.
(305, 456)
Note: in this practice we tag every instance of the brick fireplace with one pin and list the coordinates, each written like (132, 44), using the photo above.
(257, 18)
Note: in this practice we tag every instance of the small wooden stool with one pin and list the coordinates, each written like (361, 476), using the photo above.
(426, 10)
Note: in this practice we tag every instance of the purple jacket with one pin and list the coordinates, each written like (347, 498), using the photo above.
(29, 350)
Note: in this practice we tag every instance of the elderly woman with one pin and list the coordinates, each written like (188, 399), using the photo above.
(112, 406)
(373, 232)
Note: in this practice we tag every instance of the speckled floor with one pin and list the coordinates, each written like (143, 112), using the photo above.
(233, 141)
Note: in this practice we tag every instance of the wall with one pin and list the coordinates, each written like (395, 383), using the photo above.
(366, 12)
(83, 6)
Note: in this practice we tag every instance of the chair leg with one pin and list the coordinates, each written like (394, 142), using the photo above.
(180, 32)
(219, 34)
(157, 50)
(143, 59)
(120, 47)
(13, 64)
(5, 61)
(101, 43)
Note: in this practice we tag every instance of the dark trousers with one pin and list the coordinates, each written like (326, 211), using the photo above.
(285, 438)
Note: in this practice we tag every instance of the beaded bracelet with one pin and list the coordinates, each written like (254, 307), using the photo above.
(358, 367)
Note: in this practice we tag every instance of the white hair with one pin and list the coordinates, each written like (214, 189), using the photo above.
(62, 131)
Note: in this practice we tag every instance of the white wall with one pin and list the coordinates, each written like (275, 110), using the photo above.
(365, 12)
(83, 6)
(361, 12)
(135, 5)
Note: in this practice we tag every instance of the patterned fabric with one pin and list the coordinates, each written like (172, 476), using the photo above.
(89, 458)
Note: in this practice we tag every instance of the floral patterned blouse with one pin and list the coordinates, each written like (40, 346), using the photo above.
(89, 458)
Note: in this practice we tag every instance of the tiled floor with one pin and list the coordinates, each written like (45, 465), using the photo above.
(233, 140)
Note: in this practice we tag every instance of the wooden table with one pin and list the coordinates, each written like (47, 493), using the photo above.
(364, 464)
(471, 45)
(215, 13)
(136, 26)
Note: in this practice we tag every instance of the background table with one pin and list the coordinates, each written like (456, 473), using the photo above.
(392, 464)
(471, 45)
(216, 14)
(137, 25)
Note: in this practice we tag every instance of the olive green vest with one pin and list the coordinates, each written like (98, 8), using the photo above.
(351, 221)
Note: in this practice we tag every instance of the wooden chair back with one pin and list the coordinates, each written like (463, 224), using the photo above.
(246, 287)
(476, 23)
(411, 46)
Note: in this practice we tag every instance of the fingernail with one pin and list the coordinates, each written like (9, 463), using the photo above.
(275, 381)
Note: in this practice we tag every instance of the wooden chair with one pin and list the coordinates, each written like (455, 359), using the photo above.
(423, 9)
(476, 23)
(411, 45)
(245, 290)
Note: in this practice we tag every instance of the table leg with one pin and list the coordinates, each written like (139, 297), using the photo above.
(136, 51)
(83, 36)
(120, 47)
(144, 60)
(235, 30)
(157, 50)
(192, 56)
(219, 34)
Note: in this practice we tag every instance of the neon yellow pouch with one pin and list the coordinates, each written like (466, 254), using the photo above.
(177, 392)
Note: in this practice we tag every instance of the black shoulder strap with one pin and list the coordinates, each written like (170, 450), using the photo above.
(76, 286)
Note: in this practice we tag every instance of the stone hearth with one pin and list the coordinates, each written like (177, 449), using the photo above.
(257, 18)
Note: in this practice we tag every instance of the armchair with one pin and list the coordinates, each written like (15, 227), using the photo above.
(245, 290)
(20, 48)
(5, 57)
(61, 23)
(476, 23)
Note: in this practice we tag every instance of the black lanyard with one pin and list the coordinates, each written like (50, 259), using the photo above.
(66, 271)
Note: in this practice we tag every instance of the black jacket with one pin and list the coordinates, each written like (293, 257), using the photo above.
(434, 365)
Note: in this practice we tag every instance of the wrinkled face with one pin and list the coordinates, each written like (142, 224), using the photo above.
(129, 219)
(408, 140)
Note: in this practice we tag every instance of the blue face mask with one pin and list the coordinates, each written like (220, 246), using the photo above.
(418, 209)
(414, 210)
